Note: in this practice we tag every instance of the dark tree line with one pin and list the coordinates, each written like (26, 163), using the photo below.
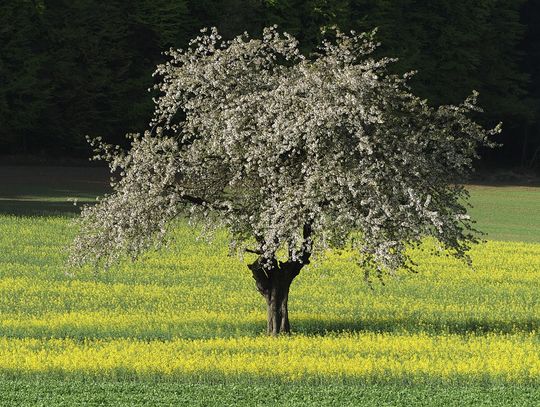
(74, 67)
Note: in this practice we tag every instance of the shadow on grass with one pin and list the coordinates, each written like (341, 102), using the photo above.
(216, 329)
(17, 207)
(414, 325)
(46, 191)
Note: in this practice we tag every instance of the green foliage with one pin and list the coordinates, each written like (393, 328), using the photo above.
(25, 88)
(48, 392)
(81, 67)
(70, 68)
(456, 45)
(89, 40)
(231, 17)
(304, 19)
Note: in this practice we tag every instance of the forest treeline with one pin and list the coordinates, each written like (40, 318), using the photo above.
(69, 68)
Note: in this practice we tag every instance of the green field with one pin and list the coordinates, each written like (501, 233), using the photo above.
(506, 212)
(184, 326)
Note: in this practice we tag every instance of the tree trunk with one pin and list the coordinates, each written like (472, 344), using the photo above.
(273, 280)
(276, 300)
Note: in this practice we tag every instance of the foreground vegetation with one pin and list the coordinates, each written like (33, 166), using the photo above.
(47, 392)
(181, 327)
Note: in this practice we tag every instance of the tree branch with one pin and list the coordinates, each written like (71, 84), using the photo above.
(254, 251)
(203, 202)
(307, 244)
(302, 256)
(262, 279)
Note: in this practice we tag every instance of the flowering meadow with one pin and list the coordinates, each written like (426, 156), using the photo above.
(190, 315)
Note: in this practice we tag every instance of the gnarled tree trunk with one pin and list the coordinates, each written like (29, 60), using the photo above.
(273, 280)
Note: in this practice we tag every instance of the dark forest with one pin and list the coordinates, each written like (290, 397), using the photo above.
(83, 67)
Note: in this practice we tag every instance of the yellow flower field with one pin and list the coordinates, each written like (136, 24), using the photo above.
(347, 357)
(192, 313)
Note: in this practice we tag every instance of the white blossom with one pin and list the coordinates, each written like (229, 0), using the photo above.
(251, 135)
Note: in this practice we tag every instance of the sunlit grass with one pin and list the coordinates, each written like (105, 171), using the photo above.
(507, 212)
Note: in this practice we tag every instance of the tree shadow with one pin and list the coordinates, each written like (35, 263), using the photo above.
(17, 207)
(201, 330)
(46, 191)
(476, 326)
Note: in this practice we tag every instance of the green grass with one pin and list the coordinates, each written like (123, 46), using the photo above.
(195, 292)
(44, 392)
(507, 212)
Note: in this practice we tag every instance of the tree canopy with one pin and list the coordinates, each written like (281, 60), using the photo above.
(291, 155)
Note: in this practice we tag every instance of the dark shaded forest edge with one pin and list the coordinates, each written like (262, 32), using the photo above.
(84, 67)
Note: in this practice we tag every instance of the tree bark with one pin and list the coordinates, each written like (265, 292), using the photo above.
(273, 280)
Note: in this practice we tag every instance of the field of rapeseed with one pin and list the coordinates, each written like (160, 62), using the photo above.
(191, 315)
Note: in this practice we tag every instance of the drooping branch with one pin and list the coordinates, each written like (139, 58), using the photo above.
(203, 202)
(254, 251)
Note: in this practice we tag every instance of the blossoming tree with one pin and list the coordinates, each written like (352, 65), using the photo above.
(292, 154)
